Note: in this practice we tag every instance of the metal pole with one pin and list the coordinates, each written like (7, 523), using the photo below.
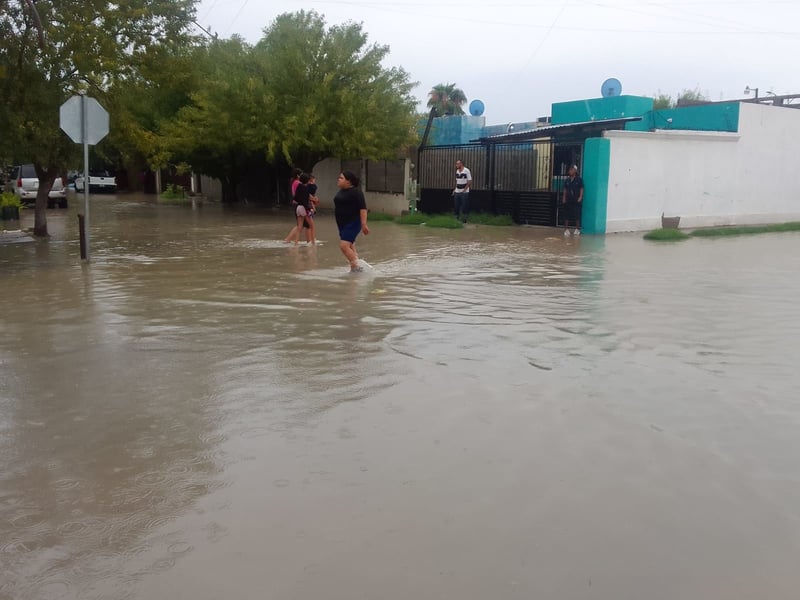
(85, 137)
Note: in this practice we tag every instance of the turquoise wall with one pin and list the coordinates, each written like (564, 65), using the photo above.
(703, 117)
(598, 109)
(596, 162)
(452, 130)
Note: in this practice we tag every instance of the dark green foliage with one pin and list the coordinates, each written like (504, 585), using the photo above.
(447, 99)
(746, 230)
(487, 219)
(416, 218)
(444, 222)
(666, 235)
(87, 45)
(379, 216)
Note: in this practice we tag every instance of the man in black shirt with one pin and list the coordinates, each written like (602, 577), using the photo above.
(572, 201)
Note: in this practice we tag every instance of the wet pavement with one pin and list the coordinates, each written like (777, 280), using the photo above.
(203, 412)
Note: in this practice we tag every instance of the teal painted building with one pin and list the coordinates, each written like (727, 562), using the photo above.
(576, 132)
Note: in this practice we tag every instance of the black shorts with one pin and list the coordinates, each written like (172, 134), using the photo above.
(571, 211)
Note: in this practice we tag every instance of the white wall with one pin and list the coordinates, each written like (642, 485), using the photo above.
(326, 173)
(707, 178)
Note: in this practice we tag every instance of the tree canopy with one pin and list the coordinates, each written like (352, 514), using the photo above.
(64, 47)
(447, 99)
(687, 96)
(303, 92)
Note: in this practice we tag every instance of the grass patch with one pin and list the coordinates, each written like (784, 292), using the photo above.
(175, 201)
(174, 195)
(417, 218)
(494, 220)
(444, 222)
(379, 216)
(666, 235)
(746, 230)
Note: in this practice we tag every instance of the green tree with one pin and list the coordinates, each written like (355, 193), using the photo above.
(305, 91)
(82, 45)
(688, 96)
(447, 99)
(220, 131)
(662, 101)
(138, 105)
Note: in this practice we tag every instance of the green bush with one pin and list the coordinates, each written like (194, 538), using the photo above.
(444, 222)
(173, 192)
(175, 201)
(10, 199)
(379, 216)
(416, 218)
(746, 230)
(494, 220)
(666, 235)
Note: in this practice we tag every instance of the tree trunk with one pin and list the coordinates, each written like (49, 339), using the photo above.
(46, 179)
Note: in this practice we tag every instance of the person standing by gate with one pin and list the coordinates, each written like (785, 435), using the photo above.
(572, 201)
(461, 191)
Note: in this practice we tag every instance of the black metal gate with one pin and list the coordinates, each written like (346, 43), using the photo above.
(513, 179)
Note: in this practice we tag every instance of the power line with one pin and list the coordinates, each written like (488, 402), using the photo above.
(546, 35)
(236, 16)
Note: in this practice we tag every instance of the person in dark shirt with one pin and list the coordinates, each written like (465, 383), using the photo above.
(572, 200)
(302, 212)
(350, 209)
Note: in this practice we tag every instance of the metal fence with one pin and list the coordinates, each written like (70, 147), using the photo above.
(512, 179)
(386, 176)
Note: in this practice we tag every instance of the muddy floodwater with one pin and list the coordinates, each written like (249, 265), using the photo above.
(205, 413)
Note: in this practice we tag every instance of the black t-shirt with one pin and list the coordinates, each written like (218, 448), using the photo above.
(301, 196)
(348, 205)
(573, 188)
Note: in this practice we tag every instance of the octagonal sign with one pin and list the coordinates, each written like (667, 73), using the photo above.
(96, 117)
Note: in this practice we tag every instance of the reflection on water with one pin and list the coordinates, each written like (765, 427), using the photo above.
(486, 413)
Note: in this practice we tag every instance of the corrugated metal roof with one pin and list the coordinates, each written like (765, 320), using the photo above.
(566, 128)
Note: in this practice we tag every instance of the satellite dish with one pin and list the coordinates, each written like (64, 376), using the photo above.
(476, 108)
(611, 87)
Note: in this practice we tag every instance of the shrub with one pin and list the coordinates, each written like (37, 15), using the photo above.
(666, 235)
(173, 192)
(444, 222)
(494, 220)
(746, 230)
(379, 216)
(416, 218)
(10, 199)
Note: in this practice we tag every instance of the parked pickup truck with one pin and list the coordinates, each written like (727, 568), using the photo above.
(99, 181)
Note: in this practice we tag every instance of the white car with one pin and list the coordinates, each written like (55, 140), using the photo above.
(99, 181)
(25, 184)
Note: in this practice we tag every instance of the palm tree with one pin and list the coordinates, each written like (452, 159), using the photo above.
(447, 99)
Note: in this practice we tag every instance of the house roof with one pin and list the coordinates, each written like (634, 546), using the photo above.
(586, 128)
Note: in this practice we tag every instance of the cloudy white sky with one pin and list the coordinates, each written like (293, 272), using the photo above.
(519, 56)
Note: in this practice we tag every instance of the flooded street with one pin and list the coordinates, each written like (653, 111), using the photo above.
(203, 412)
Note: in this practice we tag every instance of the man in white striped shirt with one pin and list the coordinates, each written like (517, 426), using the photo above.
(461, 192)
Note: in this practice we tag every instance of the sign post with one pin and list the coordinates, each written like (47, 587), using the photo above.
(85, 122)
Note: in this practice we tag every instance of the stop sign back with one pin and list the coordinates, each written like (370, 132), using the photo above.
(72, 124)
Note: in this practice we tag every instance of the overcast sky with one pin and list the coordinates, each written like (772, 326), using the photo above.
(519, 57)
